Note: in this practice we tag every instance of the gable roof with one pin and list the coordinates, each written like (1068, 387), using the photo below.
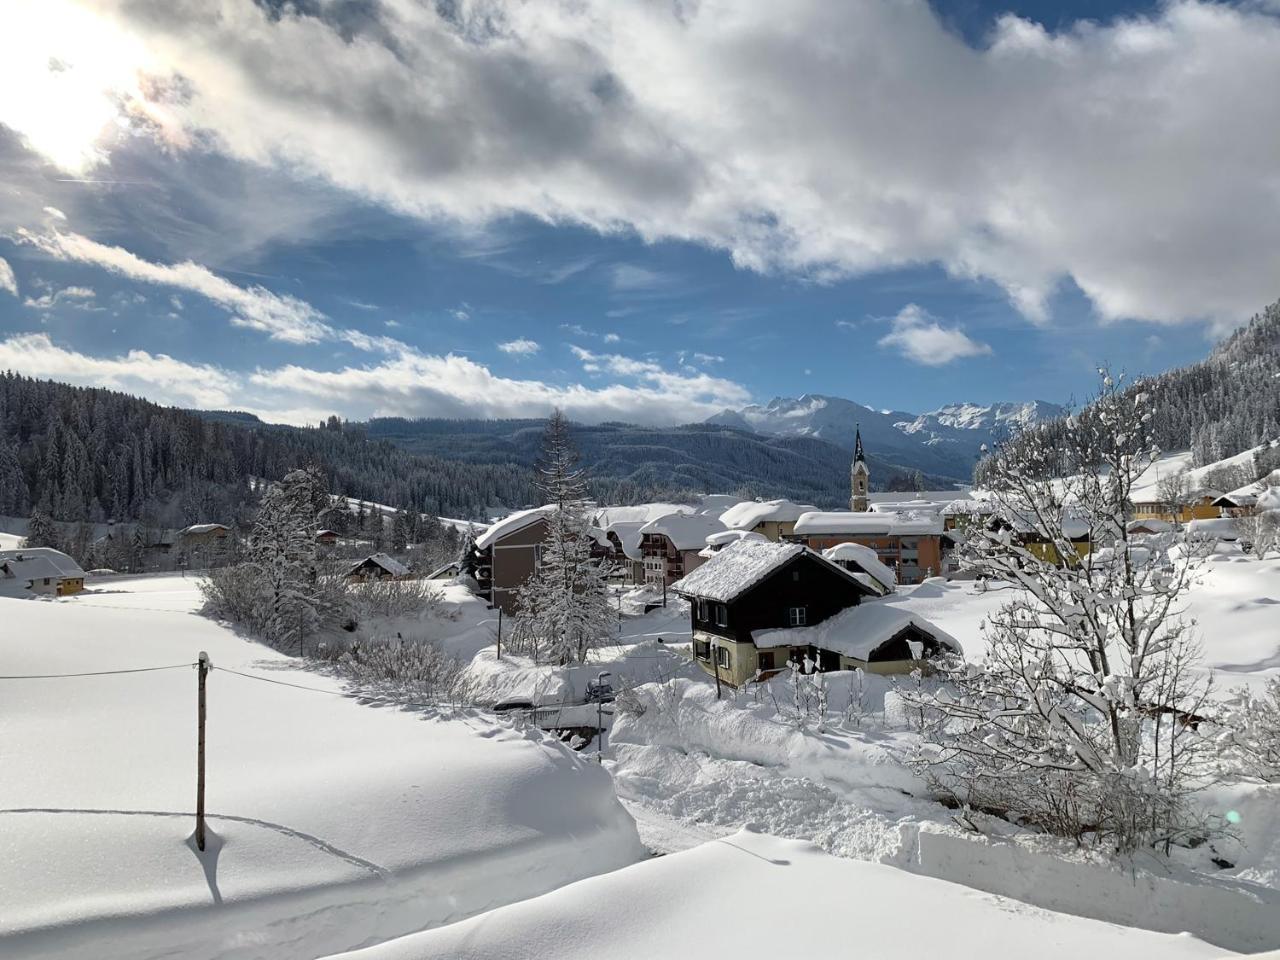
(37, 563)
(737, 568)
(511, 524)
(685, 531)
(857, 631)
(386, 562)
(867, 560)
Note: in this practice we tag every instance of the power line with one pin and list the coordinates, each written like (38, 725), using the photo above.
(95, 673)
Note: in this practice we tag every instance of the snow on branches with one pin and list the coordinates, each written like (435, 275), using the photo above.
(1084, 717)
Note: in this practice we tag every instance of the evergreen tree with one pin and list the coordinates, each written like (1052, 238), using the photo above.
(41, 531)
(564, 607)
(283, 551)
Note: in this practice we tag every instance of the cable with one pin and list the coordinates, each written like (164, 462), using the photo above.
(286, 683)
(96, 673)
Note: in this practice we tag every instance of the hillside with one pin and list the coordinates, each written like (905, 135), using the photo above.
(87, 454)
(946, 441)
(1225, 404)
(630, 463)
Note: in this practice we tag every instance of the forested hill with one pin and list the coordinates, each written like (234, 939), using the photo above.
(1223, 405)
(92, 454)
(632, 464)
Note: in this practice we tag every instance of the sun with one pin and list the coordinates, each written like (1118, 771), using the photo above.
(68, 76)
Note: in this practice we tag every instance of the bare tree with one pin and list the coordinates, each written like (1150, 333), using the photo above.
(1083, 719)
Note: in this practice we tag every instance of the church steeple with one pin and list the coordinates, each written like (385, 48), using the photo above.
(859, 475)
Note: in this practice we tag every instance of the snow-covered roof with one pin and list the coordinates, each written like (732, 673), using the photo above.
(716, 503)
(736, 568)
(686, 531)
(865, 558)
(198, 528)
(511, 524)
(1215, 528)
(1150, 525)
(751, 513)
(718, 541)
(628, 534)
(641, 513)
(936, 498)
(1247, 496)
(386, 562)
(857, 631)
(868, 524)
(970, 506)
(37, 563)
(326, 533)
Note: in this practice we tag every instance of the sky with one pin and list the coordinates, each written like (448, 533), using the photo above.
(640, 210)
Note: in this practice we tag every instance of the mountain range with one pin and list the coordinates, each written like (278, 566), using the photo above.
(945, 442)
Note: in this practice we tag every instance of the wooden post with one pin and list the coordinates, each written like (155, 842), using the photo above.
(715, 665)
(202, 672)
(499, 633)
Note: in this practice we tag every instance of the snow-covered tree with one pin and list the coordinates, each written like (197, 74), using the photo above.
(1083, 718)
(41, 531)
(282, 548)
(1251, 743)
(1259, 532)
(564, 607)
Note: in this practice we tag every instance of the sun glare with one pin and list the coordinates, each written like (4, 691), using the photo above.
(67, 75)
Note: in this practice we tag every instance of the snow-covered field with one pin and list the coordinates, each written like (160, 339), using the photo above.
(754, 897)
(334, 824)
(338, 824)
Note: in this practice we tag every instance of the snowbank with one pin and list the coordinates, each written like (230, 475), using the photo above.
(334, 824)
(753, 896)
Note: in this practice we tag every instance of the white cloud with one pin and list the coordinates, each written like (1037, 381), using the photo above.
(155, 376)
(918, 336)
(411, 385)
(521, 347)
(7, 280)
(612, 338)
(48, 300)
(280, 316)
(627, 277)
(1094, 153)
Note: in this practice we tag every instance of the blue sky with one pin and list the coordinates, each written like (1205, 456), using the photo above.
(907, 205)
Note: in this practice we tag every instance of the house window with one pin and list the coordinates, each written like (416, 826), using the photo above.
(765, 660)
(702, 649)
(722, 657)
(722, 615)
(795, 576)
(797, 616)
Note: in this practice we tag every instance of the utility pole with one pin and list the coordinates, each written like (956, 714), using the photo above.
(664, 589)
(715, 665)
(202, 674)
(499, 633)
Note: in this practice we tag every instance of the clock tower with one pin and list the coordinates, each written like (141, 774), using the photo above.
(859, 476)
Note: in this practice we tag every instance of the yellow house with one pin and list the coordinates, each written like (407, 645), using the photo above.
(1199, 505)
(39, 570)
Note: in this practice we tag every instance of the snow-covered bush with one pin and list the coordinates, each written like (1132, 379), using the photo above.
(235, 594)
(1251, 741)
(419, 671)
(395, 598)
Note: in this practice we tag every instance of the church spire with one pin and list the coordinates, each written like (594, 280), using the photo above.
(859, 475)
